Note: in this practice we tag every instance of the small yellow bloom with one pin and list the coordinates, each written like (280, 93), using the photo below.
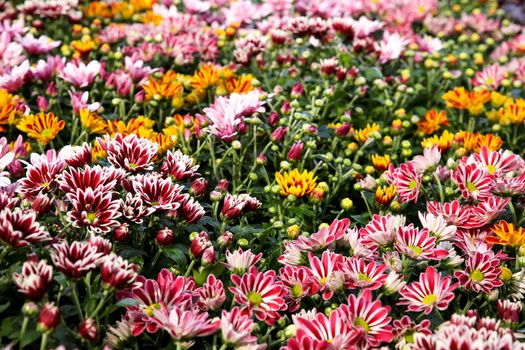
(7, 105)
(497, 99)
(361, 135)
(41, 126)
(444, 142)
(93, 122)
(381, 163)
(473, 101)
(296, 183)
(205, 77)
(432, 122)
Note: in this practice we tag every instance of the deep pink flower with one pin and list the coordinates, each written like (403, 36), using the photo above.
(261, 293)
(295, 152)
(211, 294)
(184, 324)
(48, 318)
(199, 244)
(179, 165)
(117, 273)
(430, 291)
(76, 156)
(79, 74)
(360, 274)
(300, 283)
(88, 329)
(42, 174)
(381, 230)
(39, 46)
(327, 272)
(407, 182)
(418, 244)
(473, 181)
(236, 329)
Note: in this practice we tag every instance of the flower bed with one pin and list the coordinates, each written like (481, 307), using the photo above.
(278, 174)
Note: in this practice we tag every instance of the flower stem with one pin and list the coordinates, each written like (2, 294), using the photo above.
(43, 342)
(100, 303)
(74, 294)
(22, 332)
(190, 267)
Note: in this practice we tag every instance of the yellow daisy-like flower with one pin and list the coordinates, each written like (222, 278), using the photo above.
(296, 183)
(507, 234)
(444, 142)
(514, 113)
(473, 101)
(41, 126)
(93, 122)
(432, 122)
(7, 105)
(497, 99)
(165, 88)
(362, 135)
(241, 84)
(165, 143)
(381, 163)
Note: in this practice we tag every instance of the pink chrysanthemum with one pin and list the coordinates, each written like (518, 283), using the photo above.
(481, 272)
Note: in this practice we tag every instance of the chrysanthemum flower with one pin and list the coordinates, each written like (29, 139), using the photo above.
(418, 244)
(443, 142)
(385, 195)
(236, 329)
(496, 162)
(75, 260)
(117, 273)
(158, 193)
(240, 261)
(34, 279)
(131, 153)
(300, 283)
(507, 234)
(437, 226)
(97, 178)
(381, 230)
(370, 318)
(167, 290)
(361, 135)
(473, 182)
(211, 294)
(7, 106)
(42, 174)
(323, 238)
(76, 156)
(380, 163)
(481, 272)
(407, 182)
(327, 271)
(490, 77)
(94, 210)
(179, 165)
(296, 183)
(41, 126)
(432, 122)
(19, 228)
(92, 121)
(205, 77)
(362, 274)
(184, 325)
(430, 291)
(473, 101)
(405, 329)
(261, 293)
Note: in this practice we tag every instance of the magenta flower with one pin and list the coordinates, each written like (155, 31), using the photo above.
(131, 152)
(19, 228)
(75, 260)
(179, 165)
(34, 279)
(97, 211)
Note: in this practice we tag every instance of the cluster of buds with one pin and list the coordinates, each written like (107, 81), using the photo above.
(202, 248)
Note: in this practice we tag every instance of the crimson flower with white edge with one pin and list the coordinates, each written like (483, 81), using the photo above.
(211, 294)
(300, 283)
(236, 329)
(131, 153)
(430, 291)
(418, 244)
(481, 272)
(75, 260)
(407, 181)
(261, 293)
(34, 279)
(474, 182)
(240, 261)
(117, 273)
(327, 272)
(362, 274)
(158, 193)
(179, 165)
(95, 210)
(19, 228)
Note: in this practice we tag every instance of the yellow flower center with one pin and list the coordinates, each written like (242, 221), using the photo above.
(323, 280)
(363, 277)
(91, 217)
(297, 291)
(412, 184)
(477, 275)
(360, 322)
(46, 133)
(255, 298)
(417, 250)
(491, 169)
(429, 299)
(150, 310)
(471, 187)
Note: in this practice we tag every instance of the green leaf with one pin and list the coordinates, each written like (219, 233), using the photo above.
(177, 254)
(4, 307)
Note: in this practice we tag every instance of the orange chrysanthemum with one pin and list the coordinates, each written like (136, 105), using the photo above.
(165, 88)
(514, 113)
(507, 234)
(41, 126)
(385, 195)
(241, 84)
(93, 122)
(444, 142)
(381, 163)
(205, 77)
(296, 183)
(473, 141)
(472, 101)
(432, 122)
(7, 105)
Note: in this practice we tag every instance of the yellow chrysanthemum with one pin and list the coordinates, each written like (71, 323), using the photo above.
(380, 163)
(385, 195)
(362, 135)
(296, 183)
(7, 105)
(205, 77)
(165, 88)
(514, 113)
(241, 84)
(432, 122)
(93, 122)
(444, 142)
(473, 101)
(42, 127)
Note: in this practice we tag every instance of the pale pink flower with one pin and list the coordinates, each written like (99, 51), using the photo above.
(79, 74)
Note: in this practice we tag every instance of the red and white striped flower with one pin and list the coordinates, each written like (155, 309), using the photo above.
(236, 329)
(184, 325)
(430, 291)
(323, 238)
(34, 279)
(405, 329)
(240, 261)
(490, 77)
(117, 273)
(300, 283)
(495, 162)
(381, 230)
(360, 274)
(131, 152)
(19, 228)
(95, 210)
(191, 210)
(407, 181)
(481, 273)
(474, 182)
(134, 210)
(453, 212)
(323, 332)
(76, 156)
(158, 193)
(75, 260)
(149, 295)
(261, 293)
(96, 177)
(236, 205)
(370, 319)
(327, 272)
(212, 294)
(42, 174)
(179, 165)
(418, 244)
(509, 311)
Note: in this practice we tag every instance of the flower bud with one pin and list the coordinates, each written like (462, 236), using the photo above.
(295, 152)
(122, 232)
(208, 257)
(273, 119)
(30, 308)
(198, 187)
(199, 244)
(225, 239)
(88, 329)
(347, 204)
(164, 237)
(49, 318)
(278, 134)
(216, 196)
(293, 231)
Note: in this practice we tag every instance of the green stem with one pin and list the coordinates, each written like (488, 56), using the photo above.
(190, 267)
(100, 303)
(23, 331)
(3, 254)
(440, 188)
(43, 342)
(513, 212)
(74, 294)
